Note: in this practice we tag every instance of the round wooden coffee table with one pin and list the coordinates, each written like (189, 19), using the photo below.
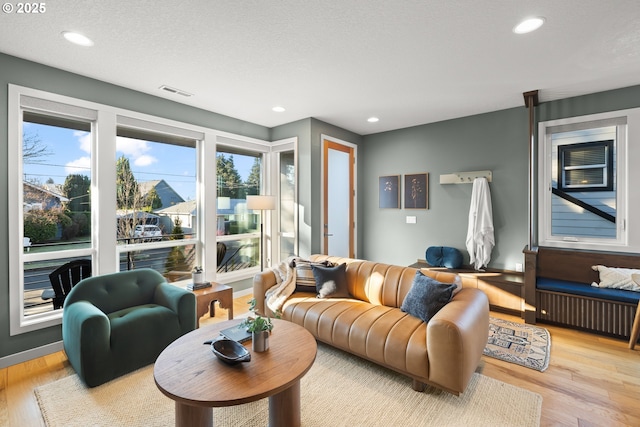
(189, 373)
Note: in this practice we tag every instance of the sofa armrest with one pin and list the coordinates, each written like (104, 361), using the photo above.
(456, 338)
(261, 283)
(180, 301)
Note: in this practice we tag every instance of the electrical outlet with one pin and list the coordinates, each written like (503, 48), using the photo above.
(518, 266)
(411, 220)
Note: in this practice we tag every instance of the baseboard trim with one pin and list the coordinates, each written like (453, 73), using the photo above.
(33, 353)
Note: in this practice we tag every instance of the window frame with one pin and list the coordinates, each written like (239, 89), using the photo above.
(607, 167)
(104, 250)
(627, 124)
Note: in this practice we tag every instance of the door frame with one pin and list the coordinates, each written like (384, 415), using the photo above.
(327, 142)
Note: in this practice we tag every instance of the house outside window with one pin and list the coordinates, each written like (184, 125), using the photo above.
(586, 166)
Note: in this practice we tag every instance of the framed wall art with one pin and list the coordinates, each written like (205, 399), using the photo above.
(416, 191)
(389, 192)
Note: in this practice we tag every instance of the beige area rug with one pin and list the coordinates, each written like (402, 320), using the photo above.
(519, 343)
(339, 390)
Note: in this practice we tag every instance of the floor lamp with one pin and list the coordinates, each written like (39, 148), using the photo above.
(261, 203)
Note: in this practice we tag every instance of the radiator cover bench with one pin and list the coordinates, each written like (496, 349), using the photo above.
(558, 285)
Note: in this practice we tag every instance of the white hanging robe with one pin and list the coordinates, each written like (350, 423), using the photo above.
(480, 237)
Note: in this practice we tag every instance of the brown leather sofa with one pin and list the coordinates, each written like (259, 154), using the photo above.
(443, 353)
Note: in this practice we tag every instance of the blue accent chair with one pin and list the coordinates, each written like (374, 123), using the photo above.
(116, 323)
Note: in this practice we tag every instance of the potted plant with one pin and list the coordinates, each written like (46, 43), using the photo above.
(260, 328)
(197, 275)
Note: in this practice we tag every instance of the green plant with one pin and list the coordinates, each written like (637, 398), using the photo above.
(258, 323)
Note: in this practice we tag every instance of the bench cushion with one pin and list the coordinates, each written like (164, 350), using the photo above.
(585, 290)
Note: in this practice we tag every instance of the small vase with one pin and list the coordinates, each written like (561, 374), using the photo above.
(260, 341)
(198, 278)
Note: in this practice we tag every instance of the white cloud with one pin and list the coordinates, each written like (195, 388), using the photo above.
(136, 150)
(85, 140)
(144, 160)
(131, 147)
(81, 166)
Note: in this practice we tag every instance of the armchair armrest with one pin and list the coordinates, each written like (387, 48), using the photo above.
(456, 337)
(86, 334)
(180, 301)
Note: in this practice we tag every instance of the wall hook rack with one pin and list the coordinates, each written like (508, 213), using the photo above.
(464, 177)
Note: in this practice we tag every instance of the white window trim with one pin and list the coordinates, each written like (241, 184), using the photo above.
(626, 206)
(283, 145)
(104, 249)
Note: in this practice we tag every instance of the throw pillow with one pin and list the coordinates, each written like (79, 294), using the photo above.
(331, 282)
(305, 281)
(443, 256)
(617, 278)
(426, 297)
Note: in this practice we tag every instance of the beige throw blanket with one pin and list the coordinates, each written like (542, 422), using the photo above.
(285, 285)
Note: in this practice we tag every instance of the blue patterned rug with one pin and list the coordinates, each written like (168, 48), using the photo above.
(519, 343)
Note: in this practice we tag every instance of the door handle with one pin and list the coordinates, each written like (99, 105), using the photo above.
(327, 235)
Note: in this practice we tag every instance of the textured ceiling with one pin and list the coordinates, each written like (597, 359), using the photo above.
(341, 61)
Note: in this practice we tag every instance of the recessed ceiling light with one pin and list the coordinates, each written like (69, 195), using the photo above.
(77, 38)
(278, 109)
(373, 119)
(528, 25)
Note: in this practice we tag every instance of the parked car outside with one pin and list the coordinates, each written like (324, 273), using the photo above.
(147, 232)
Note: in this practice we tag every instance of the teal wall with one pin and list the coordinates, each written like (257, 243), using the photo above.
(497, 141)
(29, 74)
(309, 133)
(494, 141)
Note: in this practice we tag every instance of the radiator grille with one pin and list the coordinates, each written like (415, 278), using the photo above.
(595, 315)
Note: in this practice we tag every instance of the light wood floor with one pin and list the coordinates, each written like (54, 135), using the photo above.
(591, 381)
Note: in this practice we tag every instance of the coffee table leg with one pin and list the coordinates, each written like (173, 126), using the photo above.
(284, 407)
(193, 416)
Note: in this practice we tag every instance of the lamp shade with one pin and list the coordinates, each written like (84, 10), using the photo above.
(267, 203)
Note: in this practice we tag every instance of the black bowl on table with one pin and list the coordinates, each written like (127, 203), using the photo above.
(230, 351)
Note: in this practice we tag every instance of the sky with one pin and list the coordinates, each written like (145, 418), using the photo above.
(69, 152)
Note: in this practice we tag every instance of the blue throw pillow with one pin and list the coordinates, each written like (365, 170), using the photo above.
(426, 297)
(331, 282)
(442, 256)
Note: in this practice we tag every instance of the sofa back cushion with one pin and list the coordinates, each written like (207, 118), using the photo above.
(381, 284)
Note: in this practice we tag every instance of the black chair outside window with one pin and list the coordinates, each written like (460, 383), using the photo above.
(66, 277)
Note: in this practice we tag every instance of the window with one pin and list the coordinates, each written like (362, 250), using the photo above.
(582, 182)
(124, 190)
(286, 217)
(56, 201)
(157, 213)
(239, 174)
(586, 166)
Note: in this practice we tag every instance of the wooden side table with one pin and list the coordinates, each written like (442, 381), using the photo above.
(207, 297)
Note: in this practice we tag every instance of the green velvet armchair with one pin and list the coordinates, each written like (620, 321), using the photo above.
(116, 323)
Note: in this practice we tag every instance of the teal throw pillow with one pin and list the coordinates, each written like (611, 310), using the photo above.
(426, 297)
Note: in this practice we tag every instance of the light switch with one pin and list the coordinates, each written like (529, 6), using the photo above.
(411, 220)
